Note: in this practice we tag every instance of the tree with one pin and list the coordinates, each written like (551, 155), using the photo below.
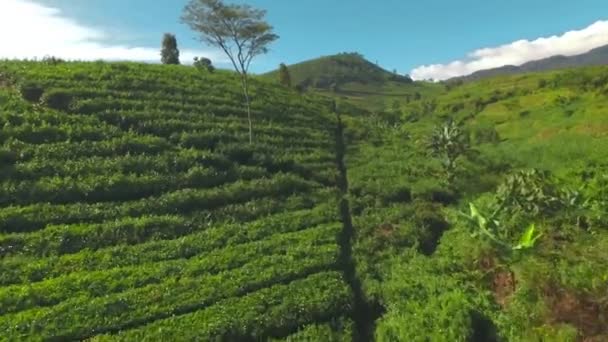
(239, 30)
(169, 53)
(284, 76)
(203, 64)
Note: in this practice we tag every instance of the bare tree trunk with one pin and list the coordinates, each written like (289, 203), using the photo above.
(245, 85)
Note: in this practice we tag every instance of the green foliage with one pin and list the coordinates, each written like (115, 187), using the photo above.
(52, 60)
(528, 238)
(203, 64)
(491, 228)
(338, 70)
(240, 31)
(247, 316)
(137, 210)
(340, 330)
(449, 143)
(196, 290)
(529, 191)
(129, 191)
(284, 76)
(169, 53)
(430, 300)
(525, 274)
(484, 135)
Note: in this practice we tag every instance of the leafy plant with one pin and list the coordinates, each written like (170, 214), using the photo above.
(203, 64)
(529, 191)
(489, 227)
(528, 238)
(448, 143)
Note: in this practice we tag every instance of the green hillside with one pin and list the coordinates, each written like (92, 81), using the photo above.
(130, 192)
(355, 80)
(336, 70)
(134, 208)
(538, 152)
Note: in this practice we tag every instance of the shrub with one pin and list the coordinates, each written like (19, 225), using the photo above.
(529, 191)
(203, 64)
(448, 143)
(429, 298)
(52, 60)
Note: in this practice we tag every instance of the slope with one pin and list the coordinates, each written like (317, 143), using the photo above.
(132, 206)
(537, 158)
(352, 78)
(337, 70)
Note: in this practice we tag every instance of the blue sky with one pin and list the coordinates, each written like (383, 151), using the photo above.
(429, 38)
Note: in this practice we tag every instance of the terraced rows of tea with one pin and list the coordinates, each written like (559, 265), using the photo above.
(132, 206)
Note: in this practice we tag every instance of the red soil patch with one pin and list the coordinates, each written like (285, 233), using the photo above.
(596, 130)
(503, 286)
(589, 316)
(502, 280)
(385, 230)
(547, 133)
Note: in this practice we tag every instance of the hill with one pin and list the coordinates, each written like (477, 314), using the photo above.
(352, 78)
(133, 207)
(598, 56)
(130, 192)
(331, 72)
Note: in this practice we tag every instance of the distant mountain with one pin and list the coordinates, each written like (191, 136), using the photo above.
(598, 56)
(334, 71)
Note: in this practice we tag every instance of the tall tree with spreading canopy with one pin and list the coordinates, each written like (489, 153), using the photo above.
(169, 53)
(284, 76)
(239, 30)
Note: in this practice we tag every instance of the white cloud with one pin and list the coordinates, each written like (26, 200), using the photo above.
(31, 30)
(519, 52)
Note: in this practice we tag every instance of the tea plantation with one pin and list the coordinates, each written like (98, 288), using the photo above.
(134, 208)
